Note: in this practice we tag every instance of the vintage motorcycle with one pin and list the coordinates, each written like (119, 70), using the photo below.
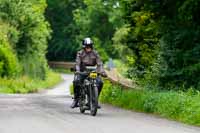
(88, 99)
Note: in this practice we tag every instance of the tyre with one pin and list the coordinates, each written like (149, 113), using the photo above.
(93, 100)
(82, 103)
(82, 110)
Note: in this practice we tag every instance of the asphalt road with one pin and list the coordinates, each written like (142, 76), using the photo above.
(49, 112)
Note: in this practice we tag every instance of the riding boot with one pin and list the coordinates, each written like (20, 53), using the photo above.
(99, 92)
(74, 103)
(76, 96)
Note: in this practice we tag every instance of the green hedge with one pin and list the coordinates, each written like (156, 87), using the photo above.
(180, 106)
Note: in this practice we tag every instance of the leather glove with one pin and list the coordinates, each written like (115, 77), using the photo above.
(104, 74)
(77, 73)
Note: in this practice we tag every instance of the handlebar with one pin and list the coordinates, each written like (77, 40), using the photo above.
(87, 73)
(82, 73)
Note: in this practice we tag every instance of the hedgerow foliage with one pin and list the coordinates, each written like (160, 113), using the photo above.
(157, 39)
(163, 38)
(25, 38)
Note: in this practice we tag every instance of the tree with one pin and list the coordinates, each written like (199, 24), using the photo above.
(139, 45)
(63, 45)
(99, 19)
(163, 36)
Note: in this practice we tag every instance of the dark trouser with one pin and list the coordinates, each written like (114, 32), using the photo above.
(78, 81)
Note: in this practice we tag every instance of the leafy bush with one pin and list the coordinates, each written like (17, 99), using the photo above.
(8, 61)
(28, 34)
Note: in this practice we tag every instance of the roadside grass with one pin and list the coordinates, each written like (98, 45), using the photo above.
(179, 106)
(71, 89)
(26, 84)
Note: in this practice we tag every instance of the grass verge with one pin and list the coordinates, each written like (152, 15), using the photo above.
(28, 85)
(71, 89)
(179, 106)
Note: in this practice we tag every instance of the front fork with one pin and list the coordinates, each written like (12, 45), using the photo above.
(91, 90)
(87, 91)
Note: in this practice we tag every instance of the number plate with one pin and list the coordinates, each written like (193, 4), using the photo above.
(93, 75)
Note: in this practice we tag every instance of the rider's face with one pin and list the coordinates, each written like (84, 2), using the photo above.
(88, 49)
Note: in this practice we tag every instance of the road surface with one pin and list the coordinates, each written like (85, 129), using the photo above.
(49, 112)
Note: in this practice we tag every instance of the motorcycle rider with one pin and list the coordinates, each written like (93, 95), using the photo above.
(86, 57)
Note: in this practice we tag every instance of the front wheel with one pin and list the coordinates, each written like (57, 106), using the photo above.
(82, 102)
(93, 100)
(82, 110)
